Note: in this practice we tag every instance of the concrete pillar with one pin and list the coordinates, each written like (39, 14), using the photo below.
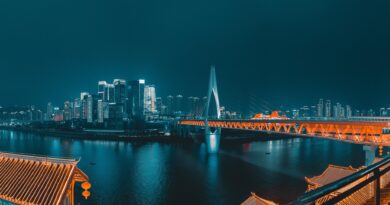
(370, 154)
(212, 139)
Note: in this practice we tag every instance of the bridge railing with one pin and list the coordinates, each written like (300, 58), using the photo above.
(351, 119)
(358, 188)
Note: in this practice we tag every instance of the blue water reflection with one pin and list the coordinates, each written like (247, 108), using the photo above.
(153, 173)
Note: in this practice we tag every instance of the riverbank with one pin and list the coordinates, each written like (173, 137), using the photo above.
(228, 136)
(100, 135)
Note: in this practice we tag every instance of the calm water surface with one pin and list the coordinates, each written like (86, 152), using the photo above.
(153, 173)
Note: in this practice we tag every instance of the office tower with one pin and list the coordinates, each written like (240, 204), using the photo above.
(114, 112)
(313, 111)
(382, 112)
(149, 99)
(50, 111)
(84, 105)
(348, 111)
(58, 115)
(164, 110)
(320, 108)
(100, 111)
(341, 112)
(169, 105)
(101, 87)
(119, 91)
(135, 101)
(83, 94)
(328, 108)
(295, 113)
(159, 105)
(109, 93)
(337, 110)
(305, 111)
(77, 108)
(89, 108)
(178, 104)
(68, 110)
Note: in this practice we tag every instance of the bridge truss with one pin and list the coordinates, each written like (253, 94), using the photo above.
(358, 132)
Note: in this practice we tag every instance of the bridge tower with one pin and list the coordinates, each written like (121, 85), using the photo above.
(212, 135)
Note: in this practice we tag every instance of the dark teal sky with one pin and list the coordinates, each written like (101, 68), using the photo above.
(277, 51)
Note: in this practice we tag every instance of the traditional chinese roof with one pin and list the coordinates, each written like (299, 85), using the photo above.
(256, 200)
(28, 179)
(331, 174)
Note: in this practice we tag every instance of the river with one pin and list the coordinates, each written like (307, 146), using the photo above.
(156, 173)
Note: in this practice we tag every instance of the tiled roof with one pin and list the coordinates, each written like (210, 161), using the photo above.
(256, 200)
(331, 174)
(36, 180)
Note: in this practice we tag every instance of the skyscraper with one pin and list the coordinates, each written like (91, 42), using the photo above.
(109, 95)
(328, 108)
(382, 112)
(101, 87)
(83, 94)
(149, 99)
(179, 104)
(348, 111)
(135, 102)
(119, 91)
(100, 110)
(89, 108)
(76, 109)
(159, 105)
(68, 110)
(50, 111)
(320, 108)
(169, 105)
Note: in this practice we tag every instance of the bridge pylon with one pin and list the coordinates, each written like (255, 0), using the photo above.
(212, 135)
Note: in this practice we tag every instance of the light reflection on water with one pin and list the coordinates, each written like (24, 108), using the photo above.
(153, 173)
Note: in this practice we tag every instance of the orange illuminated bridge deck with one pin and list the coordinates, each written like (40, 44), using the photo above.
(359, 131)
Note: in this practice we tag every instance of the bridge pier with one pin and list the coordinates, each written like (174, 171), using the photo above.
(370, 154)
(212, 139)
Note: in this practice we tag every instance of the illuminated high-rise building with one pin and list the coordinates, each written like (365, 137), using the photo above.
(50, 111)
(382, 112)
(77, 109)
(159, 105)
(58, 115)
(135, 98)
(109, 95)
(149, 99)
(68, 110)
(320, 108)
(84, 105)
(169, 104)
(328, 108)
(119, 91)
(91, 107)
(179, 104)
(100, 111)
(83, 94)
(101, 87)
(348, 113)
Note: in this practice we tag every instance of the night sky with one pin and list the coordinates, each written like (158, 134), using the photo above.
(266, 52)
